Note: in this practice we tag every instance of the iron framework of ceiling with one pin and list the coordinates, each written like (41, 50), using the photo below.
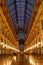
(20, 11)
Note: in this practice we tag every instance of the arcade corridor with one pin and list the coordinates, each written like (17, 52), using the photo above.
(21, 32)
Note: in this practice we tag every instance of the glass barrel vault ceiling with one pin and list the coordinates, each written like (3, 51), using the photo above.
(20, 11)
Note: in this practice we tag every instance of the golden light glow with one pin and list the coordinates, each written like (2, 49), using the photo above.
(26, 56)
(41, 43)
(31, 61)
(33, 46)
(8, 47)
(9, 62)
(1, 43)
(14, 58)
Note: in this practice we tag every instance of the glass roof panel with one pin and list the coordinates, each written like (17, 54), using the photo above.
(20, 10)
(21, 35)
(11, 6)
(12, 13)
(30, 7)
(9, 1)
(31, 1)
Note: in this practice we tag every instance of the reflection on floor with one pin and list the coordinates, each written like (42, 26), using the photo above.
(21, 60)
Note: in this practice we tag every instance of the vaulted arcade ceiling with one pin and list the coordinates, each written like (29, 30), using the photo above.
(20, 12)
